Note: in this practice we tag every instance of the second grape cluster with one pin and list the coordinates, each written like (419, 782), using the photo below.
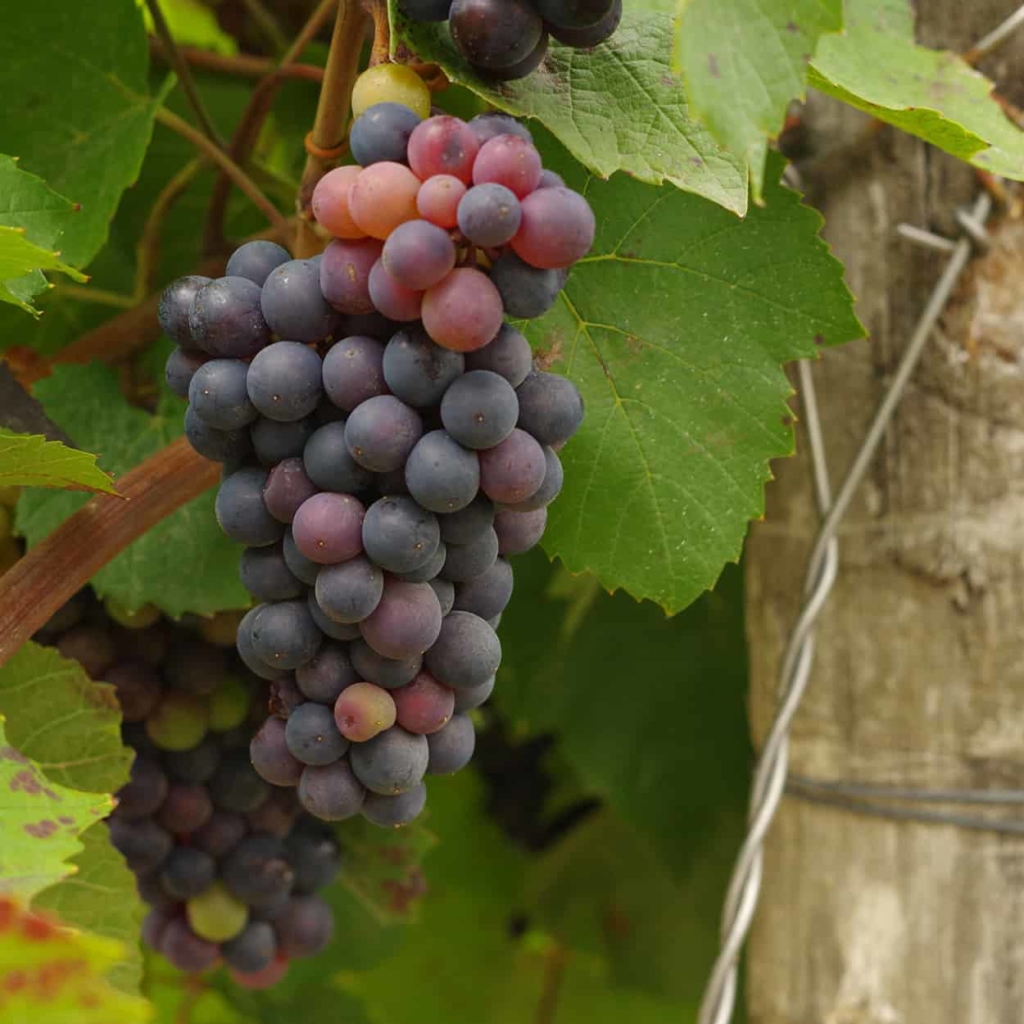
(390, 449)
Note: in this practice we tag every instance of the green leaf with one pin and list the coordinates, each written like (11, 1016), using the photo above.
(743, 61)
(184, 563)
(27, 460)
(77, 108)
(20, 257)
(193, 24)
(56, 975)
(618, 107)
(675, 328)
(101, 898)
(66, 723)
(876, 66)
(40, 821)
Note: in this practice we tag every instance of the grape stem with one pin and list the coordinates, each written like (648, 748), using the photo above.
(248, 129)
(332, 111)
(224, 161)
(245, 65)
(381, 51)
(58, 567)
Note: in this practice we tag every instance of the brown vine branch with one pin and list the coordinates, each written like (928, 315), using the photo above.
(219, 157)
(246, 65)
(147, 252)
(248, 129)
(381, 51)
(332, 111)
(54, 570)
(184, 75)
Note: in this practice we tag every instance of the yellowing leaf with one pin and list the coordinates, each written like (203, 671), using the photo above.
(18, 257)
(28, 460)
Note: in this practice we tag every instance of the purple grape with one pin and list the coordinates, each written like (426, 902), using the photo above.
(312, 736)
(271, 757)
(487, 126)
(428, 571)
(187, 872)
(144, 844)
(467, 524)
(221, 834)
(445, 591)
(399, 535)
(287, 487)
(331, 792)
(154, 925)
(255, 260)
(330, 672)
(257, 871)
(513, 470)
(382, 132)
(393, 762)
(405, 623)
(274, 441)
(328, 528)
(550, 408)
(550, 179)
(236, 786)
(488, 593)
(194, 766)
(349, 592)
(526, 292)
(175, 303)
(591, 35)
(467, 652)
(284, 634)
(218, 394)
(442, 475)
(330, 465)
(467, 700)
(480, 409)
(395, 811)
(489, 215)
(548, 490)
(277, 815)
(416, 370)
(494, 35)
(400, 303)
(225, 319)
(185, 949)
(306, 926)
(180, 368)
(315, 855)
(241, 512)
(195, 667)
(418, 254)
(381, 432)
(137, 686)
(353, 372)
(388, 673)
(293, 304)
(345, 273)
(265, 575)
(216, 445)
(253, 949)
(185, 809)
(468, 561)
(285, 696)
(284, 381)
(304, 568)
(327, 626)
(144, 791)
(451, 749)
(518, 532)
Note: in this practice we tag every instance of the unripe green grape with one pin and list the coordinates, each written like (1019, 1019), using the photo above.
(229, 704)
(215, 915)
(179, 722)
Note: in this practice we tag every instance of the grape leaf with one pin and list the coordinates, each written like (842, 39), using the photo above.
(39, 823)
(100, 898)
(54, 975)
(675, 329)
(876, 66)
(618, 107)
(77, 108)
(20, 264)
(743, 61)
(183, 564)
(28, 460)
(68, 724)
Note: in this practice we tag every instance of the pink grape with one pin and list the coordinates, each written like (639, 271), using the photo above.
(443, 145)
(513, 470)
(509, 161)
(382, 197)
(438, 200)
(463, 312)
(328, 528)
(557, 229)
(331, 203)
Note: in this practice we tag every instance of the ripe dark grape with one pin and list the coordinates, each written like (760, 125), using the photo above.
(328, 527)
(257, 871)
(181, 368)
(236, 786)
(467, 700)
(144, 844)
(381, 432)
(488, 593)
(442, 475)
(275, 441)
(284, 381)
(221, 834)
(418, 254)
(405, 623)
(349, 592)
(427, 572)
(463, 312)
(445, 591)
(253, 949)
(592, 35)
(330, 672)
(400, 303)
(518, 532)
(305, 927)
(443, 145)
(271, 757)
(487, 126)
(255, 260)
(525, 67)
(284, 634)
(451, 749)
(213, 444)
(480, 409)
(186, 950)
(467, 652)
(138, 688)
(386, 672)
(468, 561)
(315, 856)
(241, 512)
(185, 808)
(312, 736)
(574, 13)
(527, 292)
(467, 524)
(362, 711)
(293, 304)
(391, 763)
(382, 133)
(353, 372)
(416, 370)
(144, 792)
(226, 319)
(175, 303)
(489, 215)
(326, 625)
(305, 568)
(266, 576)
(395, 811)
(345, 273)
(508, 355)
(399, 535)
(514, 470)
(494, 33)
(438, 200)
(187, 872)
(286, 488)
(424, 705)
(331, 792)
(548, 490)
(556, 230)
(550, 408)
(329, 464)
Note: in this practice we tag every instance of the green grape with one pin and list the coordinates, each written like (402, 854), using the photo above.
(391, 83)
(215, 915)
(229, 704)
(137, 618)
(179, 722)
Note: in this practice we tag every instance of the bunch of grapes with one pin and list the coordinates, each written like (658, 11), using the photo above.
(229, 865)
(507, 39)
(388, 452)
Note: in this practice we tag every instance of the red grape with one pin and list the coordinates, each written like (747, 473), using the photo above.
(509, 161)
(424, 705)
(463, 312)
(556, 230)
(443, 145)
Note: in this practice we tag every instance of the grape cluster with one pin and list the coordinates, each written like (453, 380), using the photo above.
(229, 865)
(389, 451)
(507, 39)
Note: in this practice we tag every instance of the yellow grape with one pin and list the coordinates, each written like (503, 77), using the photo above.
(391, 83)
(215, 915)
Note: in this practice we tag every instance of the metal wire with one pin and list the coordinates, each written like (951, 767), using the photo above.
(770, 777)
